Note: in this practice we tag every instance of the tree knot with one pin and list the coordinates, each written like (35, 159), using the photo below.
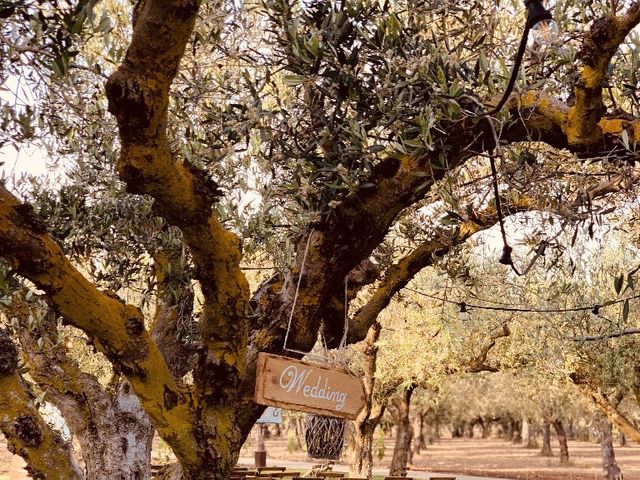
(134, 323)
(30, 218)
(27, 431)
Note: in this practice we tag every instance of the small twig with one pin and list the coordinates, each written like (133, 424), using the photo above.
(630, 331)
(46, 53)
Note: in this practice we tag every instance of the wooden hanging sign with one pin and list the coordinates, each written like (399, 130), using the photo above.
(296, 385)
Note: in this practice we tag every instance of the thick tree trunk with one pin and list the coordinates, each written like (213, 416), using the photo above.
(610, 469)
(562, 441)
(116, 443)
(546, 439)
(402, 448)
(361, 463)
(114, 432)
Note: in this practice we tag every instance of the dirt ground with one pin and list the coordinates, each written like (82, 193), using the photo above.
(492, 457)
(498, 458)
(5, 456)
(504, 459)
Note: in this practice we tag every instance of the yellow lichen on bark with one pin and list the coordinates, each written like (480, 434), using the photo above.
(546, 106)
(616, 126)
(115, 328)
(613, 125)
(30, 437)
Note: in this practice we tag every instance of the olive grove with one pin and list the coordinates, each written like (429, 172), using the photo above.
(345, 144)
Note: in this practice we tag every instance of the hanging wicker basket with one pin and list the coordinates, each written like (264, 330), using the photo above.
(324, 436)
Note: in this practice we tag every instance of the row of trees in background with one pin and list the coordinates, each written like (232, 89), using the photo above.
(344, 150)
(519, 357)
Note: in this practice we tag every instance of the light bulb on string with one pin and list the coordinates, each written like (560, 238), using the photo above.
(544, 29)
(544, 33)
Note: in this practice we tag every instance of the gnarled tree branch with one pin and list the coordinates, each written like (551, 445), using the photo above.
(598, 397)
(48, 456)
(600, 44)
(116, 329)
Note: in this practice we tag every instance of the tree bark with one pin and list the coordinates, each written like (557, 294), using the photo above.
(117, 443)
(113, 431)
(516, 431)
(469, 428)
(532, 437)
(437, 435)
(562, 441)
(402, 448)
(299, 431)
(610, 469)
(486, 427)
(418, 434)
(364, 426)
(361, 462)
(28, 435)
(546, 439)
(207, 424)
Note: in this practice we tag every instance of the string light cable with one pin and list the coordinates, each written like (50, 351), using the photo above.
(465, 306)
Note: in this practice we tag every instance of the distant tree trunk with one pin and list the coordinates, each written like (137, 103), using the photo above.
(507, 428)
(402, 448)
(418, 435)
(298, 429)
(610, 469)
(259, 432)
(469, 429)
(364, 426)
(546, 439)
(457, 429)
(486, 427)
(516, 431)
(622, 440)
(571, 431)
(532, 434)
(436, 430)
(562, 440)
